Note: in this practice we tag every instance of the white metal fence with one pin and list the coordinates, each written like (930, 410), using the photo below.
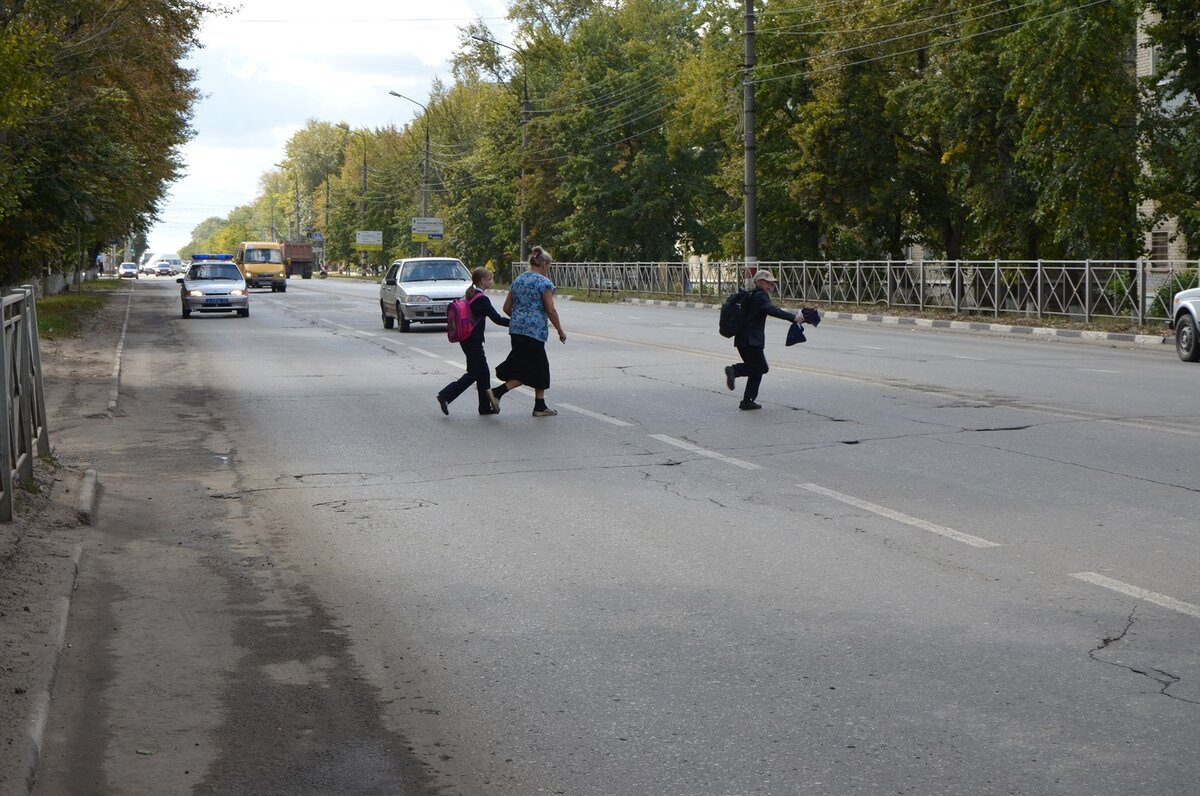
(24, 434)
(1138, 291)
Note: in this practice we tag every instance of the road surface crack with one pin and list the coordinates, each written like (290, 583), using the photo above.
(1164, 679)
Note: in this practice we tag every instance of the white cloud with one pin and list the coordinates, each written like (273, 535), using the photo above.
(267, 69)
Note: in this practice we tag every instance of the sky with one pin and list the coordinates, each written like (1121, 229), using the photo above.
(272, 65)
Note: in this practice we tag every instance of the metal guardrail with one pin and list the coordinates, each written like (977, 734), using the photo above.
(24, 434)
(1082, 290)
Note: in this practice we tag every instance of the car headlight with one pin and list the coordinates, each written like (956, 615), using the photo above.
(196, 293)
(237, 292)
(418, 299)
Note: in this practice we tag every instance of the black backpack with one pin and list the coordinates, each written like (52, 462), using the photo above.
(733, 313)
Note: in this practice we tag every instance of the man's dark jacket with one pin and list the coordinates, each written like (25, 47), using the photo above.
(753, 333)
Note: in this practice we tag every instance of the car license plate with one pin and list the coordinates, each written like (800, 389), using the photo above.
(216, 301)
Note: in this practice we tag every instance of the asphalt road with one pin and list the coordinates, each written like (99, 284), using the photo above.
(935, 562)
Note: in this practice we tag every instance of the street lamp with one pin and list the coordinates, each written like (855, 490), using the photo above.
(425, 167)
(524, 125)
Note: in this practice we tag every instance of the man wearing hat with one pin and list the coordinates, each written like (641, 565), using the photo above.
(751, 339)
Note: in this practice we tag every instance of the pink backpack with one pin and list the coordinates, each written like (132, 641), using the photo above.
(459, 320)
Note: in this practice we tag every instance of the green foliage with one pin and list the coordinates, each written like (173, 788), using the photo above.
(1171, 116)
(1008, 131)
(71, 178)
(1161, 307)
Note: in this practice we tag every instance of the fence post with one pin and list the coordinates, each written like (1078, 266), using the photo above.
(921, 285)
(1040, 278)
(959, 286)
(6, 424)
(42, 428)
(888, 282)
(1087, 291)
(1143, 284)
(996, 288)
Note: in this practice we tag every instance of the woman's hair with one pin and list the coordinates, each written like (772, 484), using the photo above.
(539, 257)
(477, 276)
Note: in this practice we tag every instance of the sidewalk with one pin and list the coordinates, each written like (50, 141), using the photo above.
(39, 549)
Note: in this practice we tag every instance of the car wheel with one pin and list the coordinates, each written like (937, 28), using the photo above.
(405, 323)
(186, 312)
(283, 288)
(388, 320)
(244, 313)
(1185, 339)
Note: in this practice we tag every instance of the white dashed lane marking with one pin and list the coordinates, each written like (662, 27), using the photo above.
(1138, 593)
(596, 415)
(941, 530)
(687, 446)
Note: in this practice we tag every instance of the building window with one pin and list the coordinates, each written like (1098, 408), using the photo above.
(1158, 247)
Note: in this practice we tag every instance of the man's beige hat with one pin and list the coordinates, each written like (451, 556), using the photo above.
(764, 275)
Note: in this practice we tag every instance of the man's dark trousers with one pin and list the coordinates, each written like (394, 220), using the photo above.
(752, 366)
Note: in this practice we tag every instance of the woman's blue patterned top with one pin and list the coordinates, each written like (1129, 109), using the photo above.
(528, 312)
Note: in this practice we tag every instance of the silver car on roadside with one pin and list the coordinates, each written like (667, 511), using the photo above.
(418, 290)
(214, 284)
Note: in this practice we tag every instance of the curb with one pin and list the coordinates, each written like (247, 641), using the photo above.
(35, 727)
(966, 326)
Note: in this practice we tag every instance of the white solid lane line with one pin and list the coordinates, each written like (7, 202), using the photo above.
(1138, 593)
(949, 533)
(687, 446)
(426, 353)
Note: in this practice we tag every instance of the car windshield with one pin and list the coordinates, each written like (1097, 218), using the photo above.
(263, 256)
(215, 272)
(434, 270)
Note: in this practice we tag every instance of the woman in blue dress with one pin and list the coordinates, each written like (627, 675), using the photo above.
(529, 306)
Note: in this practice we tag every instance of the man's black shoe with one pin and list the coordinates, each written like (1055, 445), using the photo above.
(442, 403)
(749, 405)
(729, 376)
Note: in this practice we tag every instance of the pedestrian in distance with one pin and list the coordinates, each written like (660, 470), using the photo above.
(477, 366)
(751, 339)
(529, 305)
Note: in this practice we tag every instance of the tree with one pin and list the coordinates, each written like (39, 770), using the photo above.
(1077, 106)
(1171, 115)
(70, 178)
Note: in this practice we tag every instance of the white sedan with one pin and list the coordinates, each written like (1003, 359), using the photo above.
(1185, 319)
(214, 286)
(419, 289)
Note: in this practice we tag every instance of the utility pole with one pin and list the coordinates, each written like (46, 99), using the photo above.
(748, 185)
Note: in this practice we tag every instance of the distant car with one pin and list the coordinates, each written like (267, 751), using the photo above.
(212, 285)
(146, 268)
(127, 271)
(419, 289)
(163, 268)
(1185, 319)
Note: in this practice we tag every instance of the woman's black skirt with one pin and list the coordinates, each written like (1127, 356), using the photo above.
(526, 363)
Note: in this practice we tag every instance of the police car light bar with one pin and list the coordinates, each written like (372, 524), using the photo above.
(212, 256)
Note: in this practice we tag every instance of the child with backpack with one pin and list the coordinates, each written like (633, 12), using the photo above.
(472, 345)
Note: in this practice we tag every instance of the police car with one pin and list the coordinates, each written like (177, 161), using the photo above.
(213, 283)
